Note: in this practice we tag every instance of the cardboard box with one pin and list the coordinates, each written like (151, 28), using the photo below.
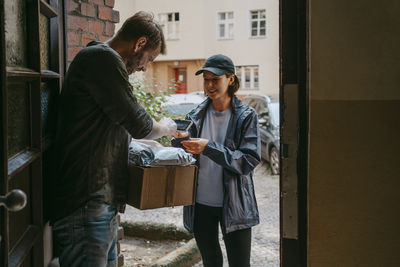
(158, 187)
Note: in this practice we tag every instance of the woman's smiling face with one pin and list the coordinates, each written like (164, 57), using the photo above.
(216, 86)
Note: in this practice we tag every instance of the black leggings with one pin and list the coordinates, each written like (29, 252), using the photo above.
(237, 243)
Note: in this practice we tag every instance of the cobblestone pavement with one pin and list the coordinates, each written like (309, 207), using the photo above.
(265, 236)
(141, 252)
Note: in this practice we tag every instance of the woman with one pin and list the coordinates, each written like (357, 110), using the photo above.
(225, 139)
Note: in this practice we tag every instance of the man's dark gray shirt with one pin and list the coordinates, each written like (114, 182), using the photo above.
(97, 115)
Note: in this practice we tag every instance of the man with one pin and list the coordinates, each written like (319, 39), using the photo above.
(98, 114)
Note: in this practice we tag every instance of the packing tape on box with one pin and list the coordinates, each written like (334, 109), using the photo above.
(169, 194)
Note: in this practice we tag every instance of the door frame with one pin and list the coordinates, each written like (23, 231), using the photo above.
(29, 247)
(294, 91)
(3, 142)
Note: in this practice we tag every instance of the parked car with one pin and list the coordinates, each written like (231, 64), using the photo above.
(200, 93)
(181, 104)
(267, 109)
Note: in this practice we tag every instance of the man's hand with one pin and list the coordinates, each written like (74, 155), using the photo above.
(166, 126)
(195, 145)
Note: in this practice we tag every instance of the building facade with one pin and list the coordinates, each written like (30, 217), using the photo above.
(246, 31)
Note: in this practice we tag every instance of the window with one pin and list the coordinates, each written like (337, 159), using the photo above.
(248, 76)
(257, 23)
(170, 25)
(225, 25)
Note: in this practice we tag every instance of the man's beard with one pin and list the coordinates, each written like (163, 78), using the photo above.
(133, 62)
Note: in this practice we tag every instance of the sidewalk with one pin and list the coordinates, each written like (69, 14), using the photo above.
(265, 236)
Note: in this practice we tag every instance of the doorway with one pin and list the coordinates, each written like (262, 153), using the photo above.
(28, 80)
(180, 78)
(294, 132)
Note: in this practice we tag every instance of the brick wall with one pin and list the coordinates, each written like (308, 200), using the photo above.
(88, 20)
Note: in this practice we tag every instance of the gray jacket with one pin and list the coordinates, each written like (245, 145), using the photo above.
(239, 155)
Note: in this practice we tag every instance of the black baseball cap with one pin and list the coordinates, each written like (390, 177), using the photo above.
(218, 64)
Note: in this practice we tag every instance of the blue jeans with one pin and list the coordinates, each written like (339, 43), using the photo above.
(88, 236)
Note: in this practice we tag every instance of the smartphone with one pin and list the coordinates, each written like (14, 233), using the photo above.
(183, 125)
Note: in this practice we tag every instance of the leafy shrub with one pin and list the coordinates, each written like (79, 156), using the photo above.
(152, 96)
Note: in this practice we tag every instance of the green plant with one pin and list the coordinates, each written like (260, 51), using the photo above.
(152, 95)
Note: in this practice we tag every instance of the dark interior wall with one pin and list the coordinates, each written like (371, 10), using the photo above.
(354, 126)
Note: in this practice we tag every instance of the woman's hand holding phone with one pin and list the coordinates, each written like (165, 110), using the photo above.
(182, 129)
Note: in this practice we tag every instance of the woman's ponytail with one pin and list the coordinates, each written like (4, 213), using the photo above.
(235, 86)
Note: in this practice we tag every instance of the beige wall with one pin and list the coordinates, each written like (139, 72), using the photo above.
(126, 8)
(242, 49)
(191, 42)
(198, 34)
(164, 71)
(354, 174)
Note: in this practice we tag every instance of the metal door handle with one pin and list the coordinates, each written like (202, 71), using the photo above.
(15, 200)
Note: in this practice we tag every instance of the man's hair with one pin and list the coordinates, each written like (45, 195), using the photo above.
(143, 24)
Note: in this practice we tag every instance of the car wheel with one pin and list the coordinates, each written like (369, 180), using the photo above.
(274, 160)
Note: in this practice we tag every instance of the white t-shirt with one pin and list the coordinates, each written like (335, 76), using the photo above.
(210, 189)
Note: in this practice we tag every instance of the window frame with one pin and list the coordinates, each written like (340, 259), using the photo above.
(225, 22)
(175, 34)
(258, 23)
(242, 76)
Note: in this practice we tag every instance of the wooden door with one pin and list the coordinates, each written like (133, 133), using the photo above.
(31, 72)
